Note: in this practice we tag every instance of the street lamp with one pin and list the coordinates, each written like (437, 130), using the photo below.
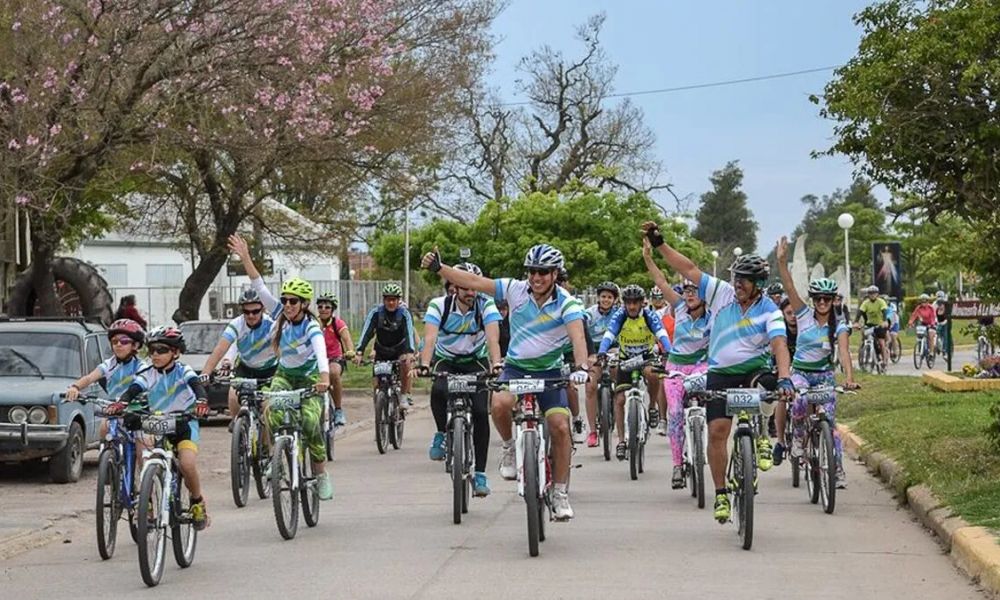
(846, 221)
(737, 251)
(410, 183)
(715, 258)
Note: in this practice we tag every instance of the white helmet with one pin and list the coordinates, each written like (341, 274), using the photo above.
(543, 256)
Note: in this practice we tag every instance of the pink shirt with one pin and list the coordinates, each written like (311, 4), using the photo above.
(334, 350)
(926, 314)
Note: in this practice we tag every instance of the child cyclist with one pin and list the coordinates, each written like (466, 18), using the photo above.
(298, 342)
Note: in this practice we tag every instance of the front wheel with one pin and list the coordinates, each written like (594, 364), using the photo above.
(827, 468)
(606, 420)
(183, 535)
(932, 358)
(744, 493)
(633, 440)
(284, 498)
(698, 463)
(397, 421)
(309, 492)
(151, 526)
(259, 461)
(918, 354)
(812, 465)
(458, 478)
(531, 500)
(239, 461)
(109, 505)
(381, 422)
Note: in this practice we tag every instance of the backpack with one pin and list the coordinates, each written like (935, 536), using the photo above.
(449, 302)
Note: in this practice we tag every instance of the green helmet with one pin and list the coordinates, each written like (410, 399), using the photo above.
(392, 289)
(823, 286)
(329, 297)
(296, 286)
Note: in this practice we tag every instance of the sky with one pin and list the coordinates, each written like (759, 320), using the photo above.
(769, 126)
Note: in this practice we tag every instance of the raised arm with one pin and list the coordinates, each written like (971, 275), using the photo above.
(677, 261)
(464, 279)
(658, 277)
(786, 276)
(238, 245)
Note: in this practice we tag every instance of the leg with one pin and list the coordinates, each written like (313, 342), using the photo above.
(503, 408)
(188, 458)
(336, 384)
(574, 400)
(674, 391)
(481, 429)
(439, 408)
(234, 404)
(595, 375)
(558, 429)
(620, 416)
(718, 452)
(404, 376)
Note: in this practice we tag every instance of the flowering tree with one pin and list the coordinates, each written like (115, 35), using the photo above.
(95, 96)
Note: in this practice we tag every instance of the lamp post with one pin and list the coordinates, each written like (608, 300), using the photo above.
(715, 258)
(846, 221)
(737, 251)
(410, 184)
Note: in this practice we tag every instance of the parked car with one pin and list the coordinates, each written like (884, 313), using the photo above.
(200, 337)
(39, 358)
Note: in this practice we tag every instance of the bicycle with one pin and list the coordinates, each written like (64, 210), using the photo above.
(819, 459)
(868, 354)
(695, 435)
(389, 415)
(984, 347)
(292, 479)
(921, 351)
(164, 502)
(741, 473)
(534, 469)
(605, 406)
(637, 411)
(247, 456)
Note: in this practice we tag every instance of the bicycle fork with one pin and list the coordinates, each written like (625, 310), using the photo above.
(164, 460)
(540, 458)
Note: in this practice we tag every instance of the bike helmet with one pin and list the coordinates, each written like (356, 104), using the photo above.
(872, 289)
(941, 295)
(925, 297)
(390, 290)
(562, 276)
(249, 297)
(678, 288)
(296, 286)
(469, 268)
(776, 289)
(686, 283)
(751, 266)
(633, 292)
(168, 336)
(823, 286)
(328, 297)
(655, 293)
(543, 256)
(127, 327)
(609, 286)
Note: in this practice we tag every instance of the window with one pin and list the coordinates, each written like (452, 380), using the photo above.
(115, 275)
(164, 275)
(105, 345)
(28, 353)
(93, 353)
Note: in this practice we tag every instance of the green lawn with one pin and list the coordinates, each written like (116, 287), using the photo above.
(938, 438)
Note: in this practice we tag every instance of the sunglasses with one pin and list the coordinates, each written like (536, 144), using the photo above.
(293, 300)
(325, 306)
(255, 311)
(542, 272)
(159, 349)
(822, 298)
(122, 340)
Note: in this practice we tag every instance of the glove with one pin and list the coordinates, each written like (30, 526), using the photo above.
(654, 236)
(115, 408)
(201, 408)
(435, 262)
(349, 355)
(579, 377)
(497, 368)
(423, 370)
(786, 387)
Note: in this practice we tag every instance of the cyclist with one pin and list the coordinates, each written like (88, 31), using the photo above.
(819, 330)
(875, 311)
(170, 386)
(662, 309)
(572, 394)
(746, 328)
(460, 330)
(927, 315)
(542, 316)
(391, 325)
(298, 342)
(598, 316)
(776, 292)
(339, 350)
(637, 329)
(246, 339)
(893, 321)
(688, 355)
(942, 308)
(791, 324)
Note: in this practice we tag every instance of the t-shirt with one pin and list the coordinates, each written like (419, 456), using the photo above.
(461, 336)
(812, 350)
(635, 335)
(597, 321)
(925, 314)
(118, 375)
(690, 342)
(537, 333)
(331, 335)
(168, 391)
(739, 343)
(253, 344)
(874, 311)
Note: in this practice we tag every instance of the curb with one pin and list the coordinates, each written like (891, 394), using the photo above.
(974, 550)
(949, 383)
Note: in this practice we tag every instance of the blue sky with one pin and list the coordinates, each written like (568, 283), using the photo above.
(769, 126)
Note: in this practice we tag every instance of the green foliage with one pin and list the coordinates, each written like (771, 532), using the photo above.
(724, 220)
(599, 234)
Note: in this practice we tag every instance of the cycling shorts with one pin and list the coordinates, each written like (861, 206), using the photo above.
(246, 372)
(550, 401)
(716, 409)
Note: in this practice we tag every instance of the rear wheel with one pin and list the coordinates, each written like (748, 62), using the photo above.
(152, 536)
(458, 479)
(932, 357)
(284, 498)
(698, 463)
(109, 507)
(744, 494)
(239, 461)
(183, 535)
(331, 430)
(895, 350)
(633, 440)
(606, 420)
(531, 500)
(381, 422)
(827, 468)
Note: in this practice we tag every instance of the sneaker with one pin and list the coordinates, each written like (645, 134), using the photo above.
(764, 459)
(841, 479)
(409, 400)
(508, 468)
(621, 451)
(437, 449)
(722, 508)
(561, 509)
(677, 481)
(199, 516)
(654, 414)
(592, 440)
(796, 448)
(480, 485)
(578, 436)
(324, 486)
(778, 453)
(661, 429)
(339, 420)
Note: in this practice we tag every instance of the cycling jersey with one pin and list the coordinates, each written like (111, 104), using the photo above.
(598, 322)
(537, 333)
(690, 342)
(391, 330)
(813, 350)
(301, 347)
(875, 311)
(118, 376)
(739, 343)
(636, 335)
(925, 313)
(252, 344)
(461, 337)
(667, 318)
(168, 390)
(331, 335)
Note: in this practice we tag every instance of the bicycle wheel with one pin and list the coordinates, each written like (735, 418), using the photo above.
(531, 497)
(183, 535)
(469, 462)
(606, 420)
(812, 464)
(917, 354)
(633, 440)
(931, 358)
(397, 421)
(284, 498)
(458, 479)
(239, 461)
(896, 350)
(309, 492)
(109, 503)
(150, 528)
(259, 461)
(698, 462)
(827, 468)
(330, 434)
(744, 493)
(381, 422)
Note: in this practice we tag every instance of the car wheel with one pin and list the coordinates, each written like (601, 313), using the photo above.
(66, 465)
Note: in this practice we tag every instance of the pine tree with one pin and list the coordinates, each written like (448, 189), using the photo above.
(724, 221)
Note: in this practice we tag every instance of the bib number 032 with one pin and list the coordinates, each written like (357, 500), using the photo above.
(742, 400)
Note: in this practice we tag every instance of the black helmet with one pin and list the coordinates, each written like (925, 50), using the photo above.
(775, 289)
(168, 336)
(609, 286)
(633, 292)
(562, 276)
(751, 266)
(249, 297)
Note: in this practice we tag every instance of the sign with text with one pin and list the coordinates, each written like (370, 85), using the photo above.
(974, 309)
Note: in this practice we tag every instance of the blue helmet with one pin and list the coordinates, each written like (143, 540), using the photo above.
(543, 256)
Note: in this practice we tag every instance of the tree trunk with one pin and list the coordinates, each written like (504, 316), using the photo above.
(199, 281)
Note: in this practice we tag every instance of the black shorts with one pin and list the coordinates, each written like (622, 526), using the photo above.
(390, 353)
(623, 377)
(717, 381)
(246, 372)
(880, 333)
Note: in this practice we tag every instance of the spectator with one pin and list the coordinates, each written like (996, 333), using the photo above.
(127, 310)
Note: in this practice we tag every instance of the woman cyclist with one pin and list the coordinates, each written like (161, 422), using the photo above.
(339, 350)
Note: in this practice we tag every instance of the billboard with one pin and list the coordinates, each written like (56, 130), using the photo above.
(886, 269)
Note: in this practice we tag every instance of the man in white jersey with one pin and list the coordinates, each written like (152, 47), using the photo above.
(598, 317)
(542, 317)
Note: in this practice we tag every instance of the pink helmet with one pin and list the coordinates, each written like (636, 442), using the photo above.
(129, 328)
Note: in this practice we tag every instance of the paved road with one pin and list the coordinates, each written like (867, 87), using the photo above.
(961, 357)
(388, 534)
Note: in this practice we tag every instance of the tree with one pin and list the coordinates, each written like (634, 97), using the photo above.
(724, 221)
(916, 111)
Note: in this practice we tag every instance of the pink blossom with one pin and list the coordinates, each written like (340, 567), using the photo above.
(55, 129)
(22, 200)
(13, 145)
(31, 141)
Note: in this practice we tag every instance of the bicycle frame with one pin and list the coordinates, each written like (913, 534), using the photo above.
(526, 418)
(123, 444)
(637, 393)
(161, 454)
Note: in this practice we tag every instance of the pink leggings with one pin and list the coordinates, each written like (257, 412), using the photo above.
(674, 389)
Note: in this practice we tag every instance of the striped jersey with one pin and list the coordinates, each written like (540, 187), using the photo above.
(537, 333)
(739, 342)
(812, 350)
(690, 336)
(461, 336)
(118, 375)
(253, 344)
(298, 342)
(598, 322)
(168, 391)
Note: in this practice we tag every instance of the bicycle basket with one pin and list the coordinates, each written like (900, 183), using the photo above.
(742, 400)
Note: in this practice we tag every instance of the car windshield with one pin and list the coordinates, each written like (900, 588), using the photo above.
(27, 353)
(201, 338)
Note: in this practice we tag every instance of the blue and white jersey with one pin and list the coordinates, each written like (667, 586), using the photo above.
(538, 334)
(253, 344)
(118, 376)
(168, 391)
(461, 336)
(739, 343)
(598, 322)
(690, 336)
(812, 346)
(635, 335)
